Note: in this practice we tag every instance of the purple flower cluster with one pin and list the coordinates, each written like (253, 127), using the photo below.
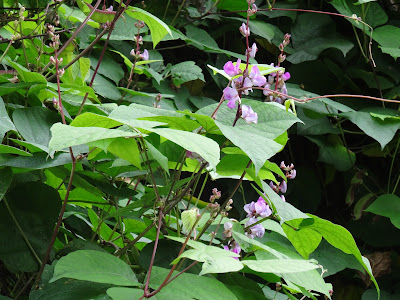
(290, 173)
(255, 210)
(280, 86)
(234, 247)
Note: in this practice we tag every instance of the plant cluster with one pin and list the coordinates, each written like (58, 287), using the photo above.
(122, 176)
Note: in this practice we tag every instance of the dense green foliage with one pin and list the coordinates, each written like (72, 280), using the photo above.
(120, 156)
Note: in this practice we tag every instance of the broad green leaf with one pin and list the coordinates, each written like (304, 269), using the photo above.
(280, 266)
(386, 36)
(394, 52)
(250, 245)
(155, 154)
(13, 150)
(310, 280)
(37, 161)
(7, 88)
(158, 28)
(26, 75)
(189, 286)
(34, 124)
(5, 122)
(186, 71)
(387, 205)
(334, 260)
(374, 16)
(205, 147)
(64, 136)
(127, 149)
(70, 289)
(342, 239)
(120, 293)
(305, 240)
(93, 120)
(284, 210)
(332, 152)
(262, 29)
(382, 131)
(256, 140)
(215, 260)
(314, 33)
(5, 181)
(202, 40)
(94, 266)
(36, 207)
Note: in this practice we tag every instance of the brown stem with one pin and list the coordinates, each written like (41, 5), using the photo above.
(75, 33)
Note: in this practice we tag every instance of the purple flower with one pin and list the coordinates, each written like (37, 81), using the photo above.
(256, 78)
(232, 70)
(234, 247)
(247, 84)
(291, 174)
(244, 30)
(256, 230)
(283, 198)
(249, 115)
(228, 230)
(253, 50)
(144, 55)
(283, 187)
(286, 76)
(232, 96)
(257, 209)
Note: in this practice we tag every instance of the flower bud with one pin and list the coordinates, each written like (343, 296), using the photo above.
(132, 53)
(139, 24)
(244, 30)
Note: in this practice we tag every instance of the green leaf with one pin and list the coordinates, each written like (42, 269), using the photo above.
(36, 207)
(342, 239)
(70, 289)
(34, 123)
(186, 71)
(158, 28)
(262, 29)
(312, 34)
(189, 286)
(373, 16)
(215, 260)
(13, 150)
(84, 265)
(382, 131)
(284, 210)
(37, 161)
(334, 260)
(256, 140)
(394, 52)
(387, 35)
(251, 245)
(5, 181)
(120, 293)
(5, 122)
(126, 148)
(205, 147)
(280, 266)
(332, 152)
(7, 88)
(155, 154)
(305, 240)
(387, 205)
(64, 136)
(26, 75)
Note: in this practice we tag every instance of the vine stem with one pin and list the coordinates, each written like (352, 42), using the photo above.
(327, 96)
(75, 33)
(391, 165)
(160, 216)
(111, 27)
(71, 178)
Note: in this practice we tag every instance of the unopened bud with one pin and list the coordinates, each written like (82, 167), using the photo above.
(139, 24)
(52, 60)
(139, 39)
(60, 72)
(132, 53)
(281, 58)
